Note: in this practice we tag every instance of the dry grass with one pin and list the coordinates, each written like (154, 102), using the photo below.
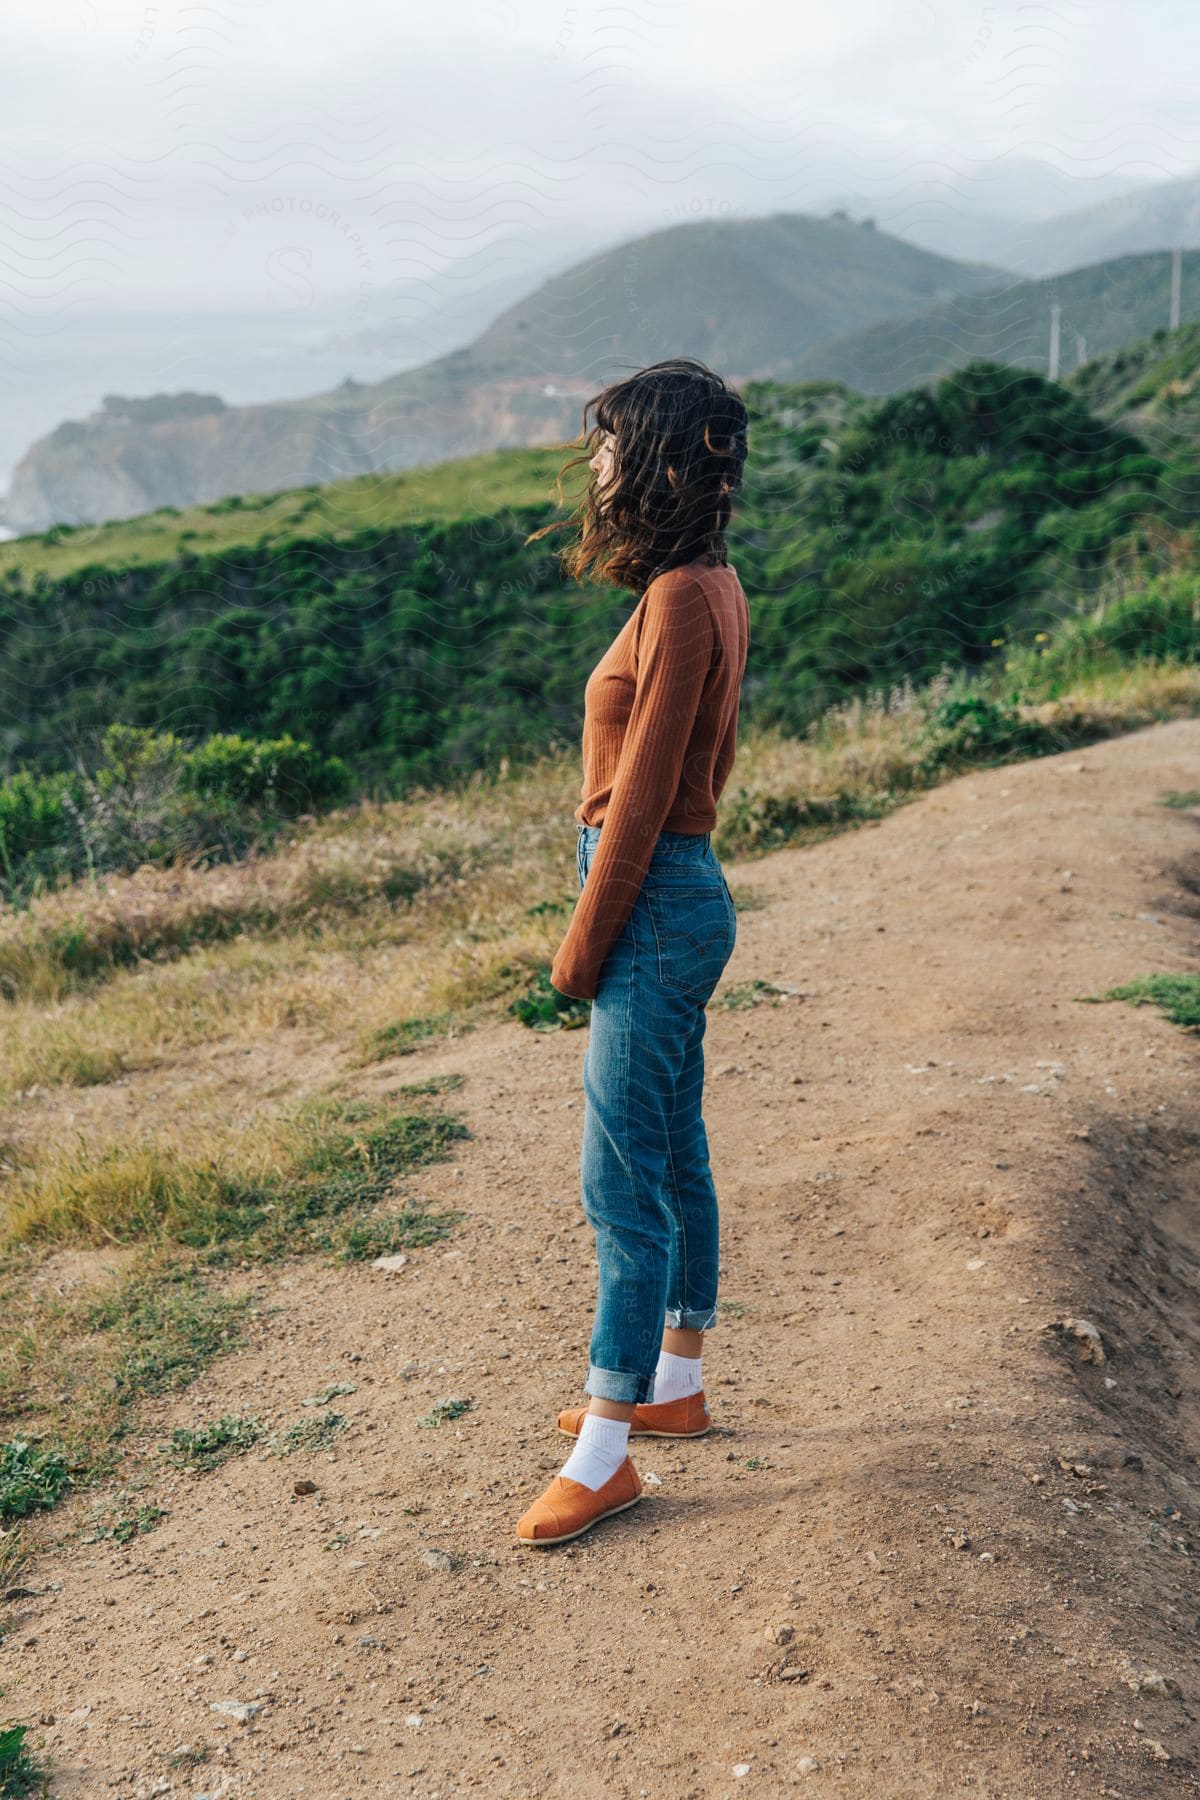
(439, 906)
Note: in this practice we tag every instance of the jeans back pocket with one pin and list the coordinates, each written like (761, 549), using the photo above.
(695, 927)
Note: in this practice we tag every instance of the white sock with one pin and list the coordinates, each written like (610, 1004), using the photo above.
(600, 1449)
(676, 1377)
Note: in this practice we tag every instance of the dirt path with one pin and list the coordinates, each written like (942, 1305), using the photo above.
(927, 1550)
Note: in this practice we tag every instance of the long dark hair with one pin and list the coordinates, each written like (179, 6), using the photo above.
(680, 444)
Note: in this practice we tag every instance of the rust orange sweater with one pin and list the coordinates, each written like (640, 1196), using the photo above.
(659, 738)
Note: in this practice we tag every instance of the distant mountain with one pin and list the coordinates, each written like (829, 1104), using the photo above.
(1103, 307)
(988, 210)
(746, 296)
(1157, 217)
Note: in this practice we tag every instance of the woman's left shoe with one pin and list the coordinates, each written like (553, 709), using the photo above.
(568, 1508)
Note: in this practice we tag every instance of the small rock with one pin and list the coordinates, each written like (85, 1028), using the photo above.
(780, 1634)
(808, 1765)
(391, 1265)
(437, 1559)
(202, 1662)
(412, 1718)
(740, 1769)
(305, 1487)
(1087, 1335)
(1144, 1680)
(977, 1262)
(241, 1710)
(652, 1480)
(1157, 1752)
(794, 1673)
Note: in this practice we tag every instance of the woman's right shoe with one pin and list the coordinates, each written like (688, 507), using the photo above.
(684, 1418)
(568, 1508)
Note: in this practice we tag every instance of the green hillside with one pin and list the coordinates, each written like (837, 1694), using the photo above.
(472, 487)
(744, 295)
(321, 646)
(1108, 305)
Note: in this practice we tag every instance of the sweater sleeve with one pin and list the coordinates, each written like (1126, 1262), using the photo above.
(673, 654)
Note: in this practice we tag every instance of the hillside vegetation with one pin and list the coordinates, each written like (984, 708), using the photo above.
(880, 542)
(1105, 307)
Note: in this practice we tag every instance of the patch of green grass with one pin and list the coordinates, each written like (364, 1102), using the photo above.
(1188, 798)
(30, 1477)
(411, 1229)
(313, 1434)
(433, 1084)
(405, 1036)
(20, 1773)
(188, 1756)
(444, 1410)
(743, 995)
(122, 1521)
(166, 1325)
(338, 1156)
(756, 1462)
(80, 1364)
(210, 1445)
(1177, 995)
(735, 1309)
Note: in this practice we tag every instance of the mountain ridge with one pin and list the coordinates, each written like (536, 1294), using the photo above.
(521, 383)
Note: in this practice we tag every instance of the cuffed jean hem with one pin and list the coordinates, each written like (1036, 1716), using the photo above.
(621, 1385)
(685, 1318)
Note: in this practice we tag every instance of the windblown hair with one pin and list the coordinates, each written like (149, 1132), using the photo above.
(680, 438)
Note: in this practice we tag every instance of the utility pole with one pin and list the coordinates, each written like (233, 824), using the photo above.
(1176, 274)
(1055, 316)
(1080, 349)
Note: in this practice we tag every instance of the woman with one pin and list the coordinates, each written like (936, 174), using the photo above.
(654, 925)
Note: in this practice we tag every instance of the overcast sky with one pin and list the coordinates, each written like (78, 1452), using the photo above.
(301, 161)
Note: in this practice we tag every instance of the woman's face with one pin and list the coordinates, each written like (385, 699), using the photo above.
(602, 464)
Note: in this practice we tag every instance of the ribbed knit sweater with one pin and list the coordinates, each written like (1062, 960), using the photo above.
(659, 739)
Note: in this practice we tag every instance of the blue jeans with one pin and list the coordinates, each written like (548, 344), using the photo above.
(647, 1186)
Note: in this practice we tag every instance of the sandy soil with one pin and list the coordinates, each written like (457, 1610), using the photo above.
(929, 1548)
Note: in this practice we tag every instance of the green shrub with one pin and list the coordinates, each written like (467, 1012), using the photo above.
(970, 729)
(150, 798)
(29, 1478)
(280, 774)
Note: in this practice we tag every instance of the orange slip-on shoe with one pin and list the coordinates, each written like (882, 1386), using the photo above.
(688, 1417)
(568, 1507)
